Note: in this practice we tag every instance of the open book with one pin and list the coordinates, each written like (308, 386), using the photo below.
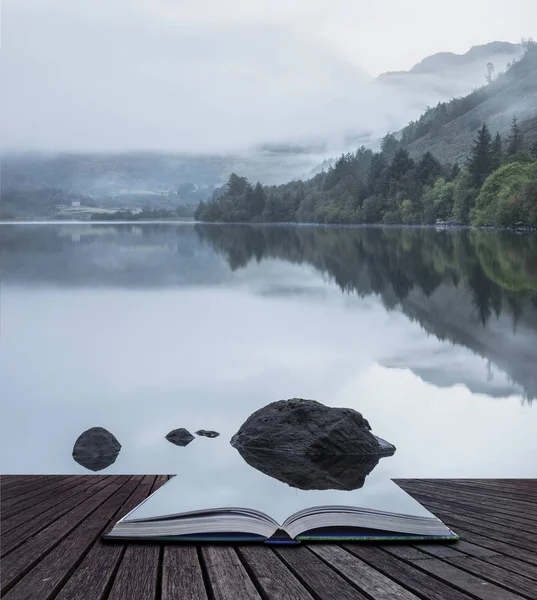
(230, 501)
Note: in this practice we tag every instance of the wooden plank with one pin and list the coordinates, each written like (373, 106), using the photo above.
(30, 484)
(526, 541)
(94, 576)
(498, 488)
(33, 493)
(515, 524)
(228, 579)
(10, 482)
(28, 526)
(474, 536)
(46, 577)
(475, 501)
(512, 564)
(76, 489)
(475, 496)
(405, 551)
(516, 583)
(406, 574)
(136, 578)
(271, 575)
(474, 550)
(466, 581)
(20, 561)
(515, 485)
(140, 559)
(320, 579)
(376, 585)
(514, 514)
(182, 577)
(34, 498)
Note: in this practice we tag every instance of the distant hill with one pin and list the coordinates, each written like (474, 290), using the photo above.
(448, 129)
(446, 75)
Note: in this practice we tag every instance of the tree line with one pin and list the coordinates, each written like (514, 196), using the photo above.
(497, 186)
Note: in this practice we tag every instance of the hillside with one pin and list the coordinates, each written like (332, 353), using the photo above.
(448, 75)
(448, 129)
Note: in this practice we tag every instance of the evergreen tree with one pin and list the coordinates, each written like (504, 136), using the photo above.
(258, 200)
(534, 150)
(429, 169)
(401, 164)
(497, 152)
(389, 146)
(199, 210)
(375, 176)
(480, 163)
(455, 170)
(516, 139)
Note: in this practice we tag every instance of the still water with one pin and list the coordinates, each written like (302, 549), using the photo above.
(146, 328)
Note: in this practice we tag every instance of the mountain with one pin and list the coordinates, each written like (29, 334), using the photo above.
(446, 74)
(448, 129)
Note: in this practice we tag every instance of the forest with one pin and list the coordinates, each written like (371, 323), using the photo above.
(493, 184)
(496, 187)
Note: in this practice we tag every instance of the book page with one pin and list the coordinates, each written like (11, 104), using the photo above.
(212, 475)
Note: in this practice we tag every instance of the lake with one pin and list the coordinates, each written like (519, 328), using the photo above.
(145, 328)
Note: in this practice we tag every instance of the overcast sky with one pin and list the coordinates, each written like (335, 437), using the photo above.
(213, 74)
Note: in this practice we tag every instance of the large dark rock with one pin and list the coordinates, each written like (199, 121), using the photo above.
(180, 437)
(207, 433)
(336, 472)
(96, 449)
(308, 428)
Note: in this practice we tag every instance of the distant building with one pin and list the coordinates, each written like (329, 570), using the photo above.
(136, 211)
(75, 203)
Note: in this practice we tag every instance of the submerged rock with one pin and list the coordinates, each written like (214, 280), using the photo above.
(96, 449)
(180, 437)
(307, 427)
(207, 433)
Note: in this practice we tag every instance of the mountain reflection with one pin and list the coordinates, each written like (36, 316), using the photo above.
(474, 288)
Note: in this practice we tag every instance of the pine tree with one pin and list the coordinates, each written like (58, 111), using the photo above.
(455, 170)
(429, 169)
(375, 176)
(497, 152)
(389, 146)
(516, 139)
(480, 163)
(199, 210)
(258, 200)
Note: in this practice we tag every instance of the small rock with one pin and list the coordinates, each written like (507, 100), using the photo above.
(207, 433)
(96, 448)
(180, 437)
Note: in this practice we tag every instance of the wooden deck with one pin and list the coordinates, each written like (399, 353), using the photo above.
(50, 548)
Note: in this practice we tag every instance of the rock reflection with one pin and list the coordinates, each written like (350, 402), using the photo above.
(343, 472)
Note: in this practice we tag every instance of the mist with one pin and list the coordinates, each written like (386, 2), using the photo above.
(224, 77)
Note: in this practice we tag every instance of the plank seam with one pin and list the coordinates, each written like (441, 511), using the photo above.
(205, 574)
(251, 574)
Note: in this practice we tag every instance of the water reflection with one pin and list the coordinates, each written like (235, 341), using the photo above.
(474, 288)
(143, 328)
(333, 472)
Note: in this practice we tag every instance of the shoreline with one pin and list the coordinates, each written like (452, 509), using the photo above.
(512, 228)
